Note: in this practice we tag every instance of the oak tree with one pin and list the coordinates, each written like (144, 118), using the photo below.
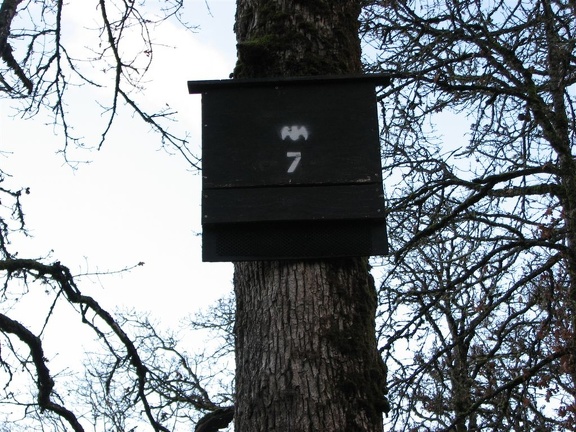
(482, 292)
(306, 352)
(140, 376)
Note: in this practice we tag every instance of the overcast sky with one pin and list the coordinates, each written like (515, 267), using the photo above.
(133, 202)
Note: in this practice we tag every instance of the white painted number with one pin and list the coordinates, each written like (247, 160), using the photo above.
(297, 156)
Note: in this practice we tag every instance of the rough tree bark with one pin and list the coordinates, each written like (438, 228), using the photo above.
(306, 352)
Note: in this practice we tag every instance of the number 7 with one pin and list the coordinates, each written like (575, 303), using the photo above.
(297, 156)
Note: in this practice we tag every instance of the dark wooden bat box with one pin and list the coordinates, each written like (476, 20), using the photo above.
(291, 168)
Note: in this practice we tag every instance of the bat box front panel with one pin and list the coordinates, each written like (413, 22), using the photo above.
(290, 135)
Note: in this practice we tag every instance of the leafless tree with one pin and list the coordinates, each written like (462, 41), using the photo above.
(306, 352)
(40, 70)
(482, 288)
(139, 376)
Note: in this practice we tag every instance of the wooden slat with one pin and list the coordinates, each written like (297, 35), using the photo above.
(292, 203)
(294, 240)
(203, 86)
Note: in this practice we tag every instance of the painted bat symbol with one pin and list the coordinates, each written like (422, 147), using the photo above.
(294, 132)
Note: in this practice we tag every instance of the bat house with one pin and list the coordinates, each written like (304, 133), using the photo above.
(291, 168)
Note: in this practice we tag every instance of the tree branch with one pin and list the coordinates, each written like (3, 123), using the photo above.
(62, 276)
(44, 381)
(7, 14)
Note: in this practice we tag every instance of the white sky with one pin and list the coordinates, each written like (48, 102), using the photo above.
(133, 202)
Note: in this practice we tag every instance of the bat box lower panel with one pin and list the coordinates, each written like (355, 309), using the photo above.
(289, 240)
(301, 203)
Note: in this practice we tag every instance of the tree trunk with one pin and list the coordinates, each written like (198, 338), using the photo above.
(305, 348)
(306, 353)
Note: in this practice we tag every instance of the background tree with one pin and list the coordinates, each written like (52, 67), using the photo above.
(140, 376)
(482, 292)
(40, 69)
